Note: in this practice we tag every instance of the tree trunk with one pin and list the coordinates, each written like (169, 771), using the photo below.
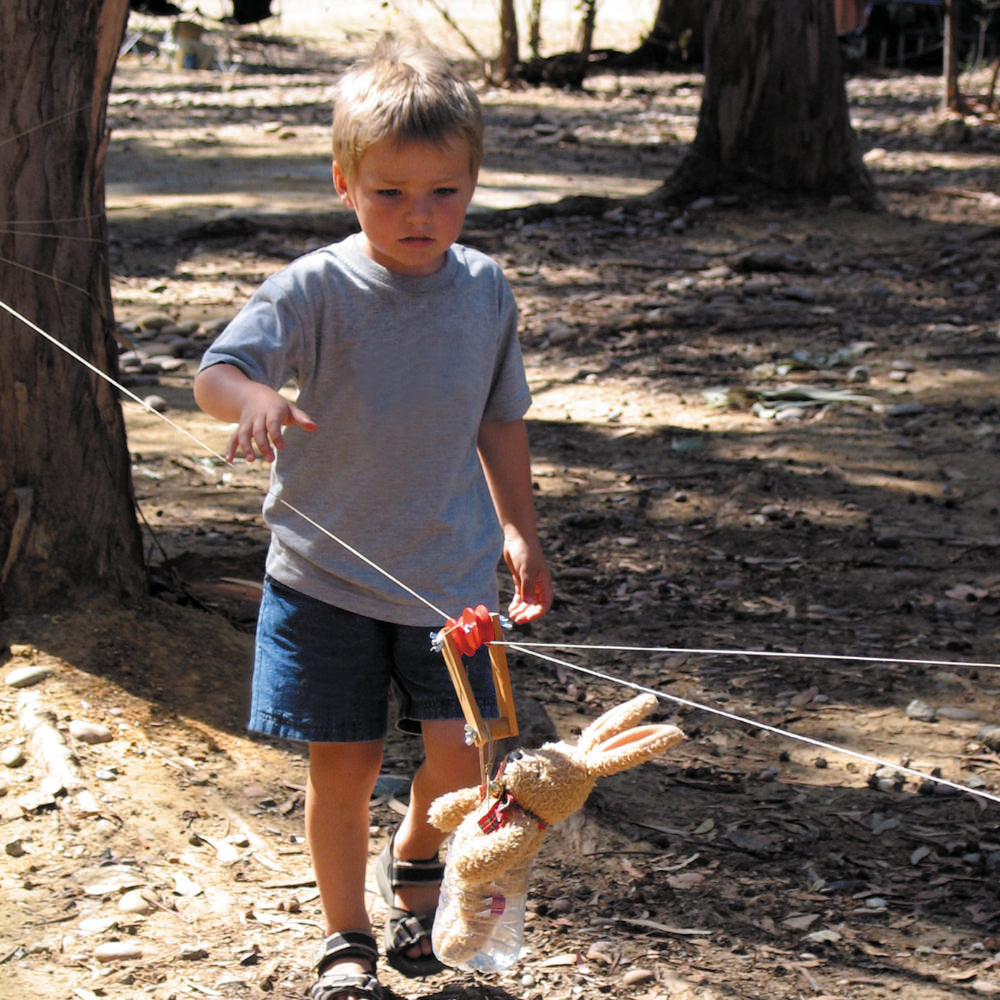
(588, 21)
(535, 29)
(67, 511)
(774, 112)
(510, 54)
(678, 31)
(953, 99)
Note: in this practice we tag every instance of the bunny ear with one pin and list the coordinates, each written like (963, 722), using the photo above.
(616, 720)
(630, 748)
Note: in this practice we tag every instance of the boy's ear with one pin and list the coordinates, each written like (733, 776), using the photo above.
(340, 185)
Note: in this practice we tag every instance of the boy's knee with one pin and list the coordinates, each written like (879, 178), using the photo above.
(345, 769)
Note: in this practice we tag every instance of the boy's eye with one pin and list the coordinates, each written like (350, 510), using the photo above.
(388, 192)
(445, 192)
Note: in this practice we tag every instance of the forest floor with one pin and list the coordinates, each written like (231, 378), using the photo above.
(766, 454)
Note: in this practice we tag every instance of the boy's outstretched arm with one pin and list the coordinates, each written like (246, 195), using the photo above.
(503, 452)
(260, 413)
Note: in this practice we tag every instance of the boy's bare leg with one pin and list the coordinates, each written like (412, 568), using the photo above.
(342, 777)
(448, 765)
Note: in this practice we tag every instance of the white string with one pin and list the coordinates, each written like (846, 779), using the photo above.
(366, 560)
(51, 222)
(201, 444)
(107, 378)
(764, 653)
(531, 649)
(50, 236)
(46, 124)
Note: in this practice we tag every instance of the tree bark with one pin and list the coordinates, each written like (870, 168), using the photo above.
(67, 511)
(774, 111)
(510, 53)
(678, 32)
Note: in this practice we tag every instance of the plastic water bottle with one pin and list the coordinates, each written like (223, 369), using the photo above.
(480, 928)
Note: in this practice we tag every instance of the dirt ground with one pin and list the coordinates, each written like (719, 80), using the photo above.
(767, 454)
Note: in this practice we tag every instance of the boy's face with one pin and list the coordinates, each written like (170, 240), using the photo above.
(410, 200)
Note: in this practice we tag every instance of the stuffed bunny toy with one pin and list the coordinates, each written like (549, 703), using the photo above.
(499, 830)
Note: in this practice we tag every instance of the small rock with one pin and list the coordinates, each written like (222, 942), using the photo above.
(118, 951)
(22, 677)
(167, 364)
(560, 333)
(906, 410)
(920, 711)
(136, 901)
(214, 327)
(87, 803)
(887, 779)
(638, 977)
(156, 403)
(14, 849)
(990, 736)
(155, 321)
(957, 714)
(602, 952)
(12, 756)
(89, 732)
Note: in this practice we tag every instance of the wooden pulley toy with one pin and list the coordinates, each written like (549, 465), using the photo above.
(464, 635)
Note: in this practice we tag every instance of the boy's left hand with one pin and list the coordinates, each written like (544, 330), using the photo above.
(532, 583)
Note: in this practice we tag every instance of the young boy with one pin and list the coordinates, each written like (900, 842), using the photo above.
(407, 442)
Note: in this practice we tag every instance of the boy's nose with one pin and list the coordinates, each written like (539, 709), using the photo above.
(420, 208)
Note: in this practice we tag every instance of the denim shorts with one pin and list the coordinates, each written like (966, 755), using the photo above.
(324, 675)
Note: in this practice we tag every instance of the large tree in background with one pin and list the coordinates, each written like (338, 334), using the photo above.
(67, 516)
(678, 31)
(774, 111)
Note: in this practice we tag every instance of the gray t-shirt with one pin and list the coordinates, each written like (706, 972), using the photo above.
(399, 373)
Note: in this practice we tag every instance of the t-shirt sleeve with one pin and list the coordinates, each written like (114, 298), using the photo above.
(265, 338)
(509, 397)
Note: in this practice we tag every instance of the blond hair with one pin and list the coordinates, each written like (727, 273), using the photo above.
(407, 94)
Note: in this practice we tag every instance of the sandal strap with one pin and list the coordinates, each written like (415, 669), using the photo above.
(402, 873)
(408, 929)
(392, 873)
(348, 944)
(332, 984)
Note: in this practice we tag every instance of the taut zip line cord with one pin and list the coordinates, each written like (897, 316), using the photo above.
(532, 649)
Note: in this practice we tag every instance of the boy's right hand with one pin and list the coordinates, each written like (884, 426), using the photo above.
(263, 417)
(260, 413)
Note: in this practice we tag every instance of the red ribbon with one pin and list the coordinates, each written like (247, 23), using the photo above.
(496, 815)
(499, 812)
